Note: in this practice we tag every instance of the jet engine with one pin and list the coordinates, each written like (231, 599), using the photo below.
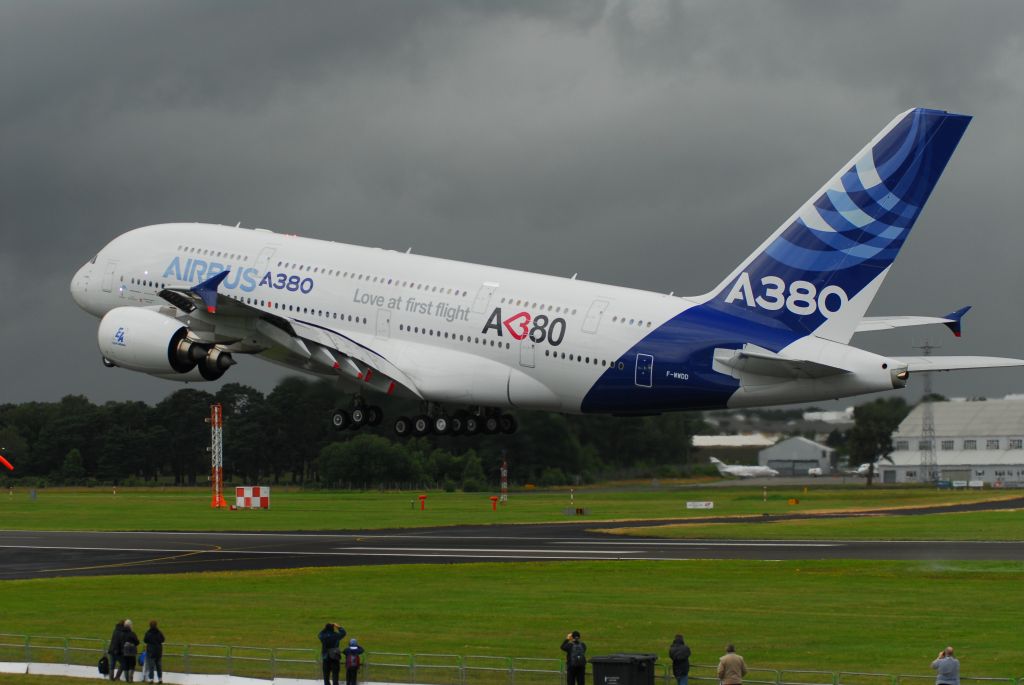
(148, 341)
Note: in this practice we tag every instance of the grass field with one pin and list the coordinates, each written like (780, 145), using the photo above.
(887, 617)
(849, 615)
(175, 509)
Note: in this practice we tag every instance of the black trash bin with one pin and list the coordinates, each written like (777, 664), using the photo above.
(623, 669)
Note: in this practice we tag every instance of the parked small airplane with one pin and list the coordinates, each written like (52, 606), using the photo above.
(743, 471)
(862, 470)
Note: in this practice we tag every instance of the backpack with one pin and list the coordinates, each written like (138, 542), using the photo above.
(334, 654)
(103, 666)
(129, 649)
(352, 660)
(577, 655)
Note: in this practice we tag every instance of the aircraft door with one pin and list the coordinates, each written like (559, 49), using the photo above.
(594, 315)
(483, 298)
(644, 370)
(527, 352)
(263, 259)
(108, 276)
(383, 324)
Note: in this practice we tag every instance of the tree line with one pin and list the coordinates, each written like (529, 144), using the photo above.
(286, 437)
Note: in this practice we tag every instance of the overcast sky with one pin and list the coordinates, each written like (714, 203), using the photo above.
(650, 144)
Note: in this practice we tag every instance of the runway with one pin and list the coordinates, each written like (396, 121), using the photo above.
(42, 554)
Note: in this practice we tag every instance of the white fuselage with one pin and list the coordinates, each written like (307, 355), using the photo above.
(462, 333)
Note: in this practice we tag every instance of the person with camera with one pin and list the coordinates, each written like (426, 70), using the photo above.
(680, 652)
(575, 658)
(731, 667)
(947, 668)
(330, 651)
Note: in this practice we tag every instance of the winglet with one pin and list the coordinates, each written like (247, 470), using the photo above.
(954, 325)
(207, 290)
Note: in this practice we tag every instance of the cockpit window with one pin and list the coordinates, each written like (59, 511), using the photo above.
(93, 260)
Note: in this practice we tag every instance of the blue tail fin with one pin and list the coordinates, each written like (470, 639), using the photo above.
(820, 270)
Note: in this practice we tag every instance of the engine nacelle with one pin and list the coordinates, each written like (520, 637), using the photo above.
(147, 341)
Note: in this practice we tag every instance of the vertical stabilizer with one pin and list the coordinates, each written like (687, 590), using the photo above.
(820, 270)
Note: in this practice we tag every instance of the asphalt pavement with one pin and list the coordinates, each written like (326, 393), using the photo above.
(42, 554)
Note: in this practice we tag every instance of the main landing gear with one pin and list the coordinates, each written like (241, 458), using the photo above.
(360, 415)
(462, 422)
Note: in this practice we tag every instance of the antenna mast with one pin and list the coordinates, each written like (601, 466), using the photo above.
(929, 465)
(217, 456)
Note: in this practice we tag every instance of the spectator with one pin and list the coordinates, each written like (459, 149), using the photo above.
(947, 668)
(330, 652)
(731, 667)
(575, 658)
(114, 649)
(129, 650)
(679, 652)
(154, 640)
(352, 661)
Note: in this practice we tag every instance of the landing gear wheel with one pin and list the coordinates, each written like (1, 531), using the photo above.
(491, 425)
(421, 425)
(374, 415)
(507, 424)
(471, 426)
(403, 426)
(359, 418)
(442, 425)
(459, 422)
(341, 419)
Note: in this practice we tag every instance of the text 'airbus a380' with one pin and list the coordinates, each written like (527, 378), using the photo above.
(182, 301)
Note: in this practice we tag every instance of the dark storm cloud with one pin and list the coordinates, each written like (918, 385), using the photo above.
(650, 144)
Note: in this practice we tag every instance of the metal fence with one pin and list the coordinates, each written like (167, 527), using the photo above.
(424, 669)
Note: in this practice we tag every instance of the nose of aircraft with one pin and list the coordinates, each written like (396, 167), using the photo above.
(80, 286)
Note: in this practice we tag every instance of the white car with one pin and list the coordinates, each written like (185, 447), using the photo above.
(816, 471)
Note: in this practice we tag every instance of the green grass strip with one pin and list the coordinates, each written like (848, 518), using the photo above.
(173, 509)
(889, 617)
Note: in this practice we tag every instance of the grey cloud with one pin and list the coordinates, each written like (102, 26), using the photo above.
(645, 144)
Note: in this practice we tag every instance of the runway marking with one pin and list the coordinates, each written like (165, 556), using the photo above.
(501, 554)
(705, 543)
(485, 549)
(124, 564)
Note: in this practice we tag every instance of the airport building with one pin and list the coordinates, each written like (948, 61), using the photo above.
(975, 441)
(797, 456)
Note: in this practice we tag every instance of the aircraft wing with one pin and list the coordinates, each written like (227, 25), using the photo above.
(324, 349)
(761, 362)
(919, 364)
(884, 323)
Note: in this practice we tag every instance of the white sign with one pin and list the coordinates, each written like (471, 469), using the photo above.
(700, 505)
(959, 484)
(976, 484)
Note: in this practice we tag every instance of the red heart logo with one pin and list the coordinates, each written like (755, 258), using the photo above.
(522, 319)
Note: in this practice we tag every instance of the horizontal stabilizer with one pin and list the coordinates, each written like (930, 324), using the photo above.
(761, 362)
(886, 323)
(920, 364)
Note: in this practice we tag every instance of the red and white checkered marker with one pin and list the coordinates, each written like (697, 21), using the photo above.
(252, 497)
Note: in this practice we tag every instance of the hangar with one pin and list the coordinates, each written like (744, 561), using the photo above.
(796, 456)
(981, 440)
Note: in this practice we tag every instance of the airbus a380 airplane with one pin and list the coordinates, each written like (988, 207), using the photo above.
(182, 301)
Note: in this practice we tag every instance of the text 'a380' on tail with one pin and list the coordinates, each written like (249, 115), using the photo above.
(819, 271)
